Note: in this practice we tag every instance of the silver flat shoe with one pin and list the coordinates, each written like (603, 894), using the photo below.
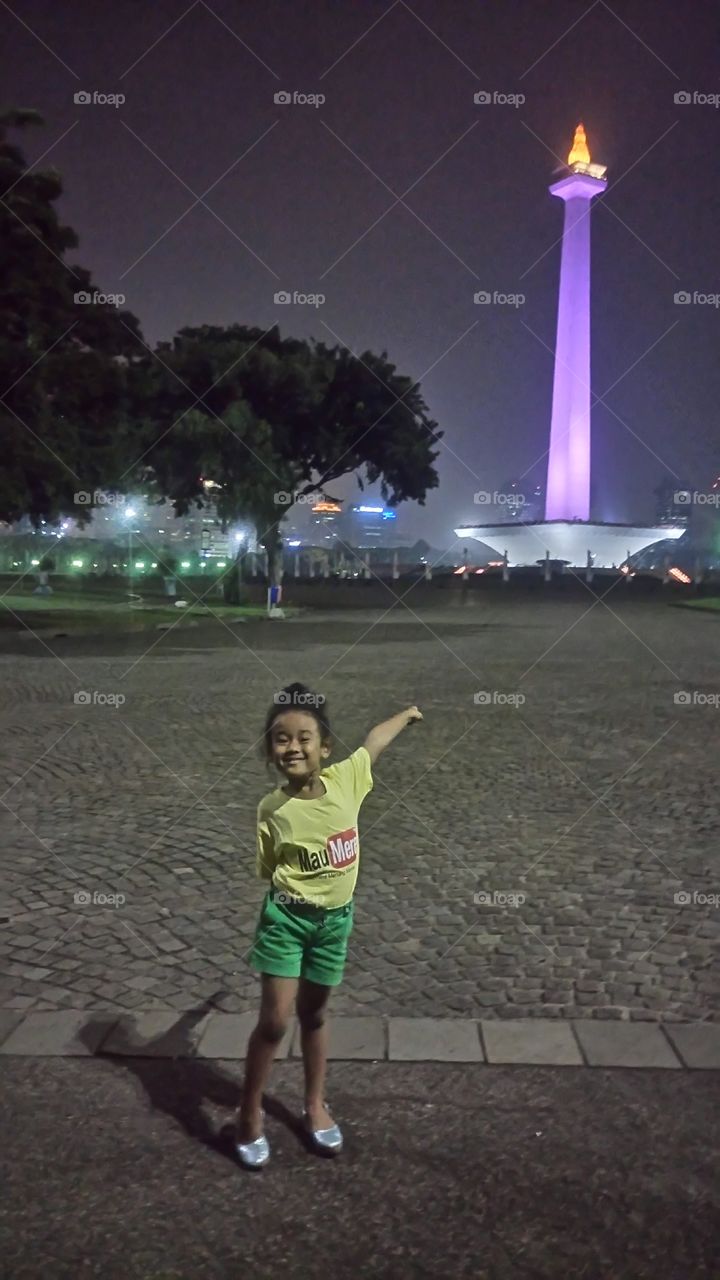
(253, 1155)
(327, 1141)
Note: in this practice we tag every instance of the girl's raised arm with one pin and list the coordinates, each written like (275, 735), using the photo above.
(382, 735)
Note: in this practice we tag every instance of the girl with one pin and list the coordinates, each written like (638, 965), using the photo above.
(307, 848)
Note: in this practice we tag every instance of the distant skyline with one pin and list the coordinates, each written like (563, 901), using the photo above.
(400, 197)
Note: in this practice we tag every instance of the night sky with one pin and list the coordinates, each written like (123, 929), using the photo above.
(302, 196)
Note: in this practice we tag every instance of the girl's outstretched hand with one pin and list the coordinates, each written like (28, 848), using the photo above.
(383, 734)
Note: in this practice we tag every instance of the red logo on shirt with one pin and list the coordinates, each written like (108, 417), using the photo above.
(342, 849)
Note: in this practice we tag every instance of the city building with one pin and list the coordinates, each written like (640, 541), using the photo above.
(324, 517)
(369, 524)
(671, 507)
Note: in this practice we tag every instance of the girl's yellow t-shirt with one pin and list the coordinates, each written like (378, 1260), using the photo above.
(309, 849)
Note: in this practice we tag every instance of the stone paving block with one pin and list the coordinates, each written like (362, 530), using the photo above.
(698, 1044)
(536, 1041)
(434, 1040)
(226, 1036)
(61, 1033)
(620, 1044)
(351, 1038)
(9, 1019)
(160, 1034)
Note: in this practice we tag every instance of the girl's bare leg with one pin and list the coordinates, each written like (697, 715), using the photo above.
(311, 1007)
(276, 1005)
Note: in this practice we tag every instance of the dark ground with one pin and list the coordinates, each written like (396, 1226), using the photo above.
(111, 1170)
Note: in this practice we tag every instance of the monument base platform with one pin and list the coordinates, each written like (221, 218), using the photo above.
(568, 541)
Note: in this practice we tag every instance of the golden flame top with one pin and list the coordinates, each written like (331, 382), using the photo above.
(579, 153)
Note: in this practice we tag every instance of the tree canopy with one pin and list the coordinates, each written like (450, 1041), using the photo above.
(271, 419)
(63, 402)
(86, 405)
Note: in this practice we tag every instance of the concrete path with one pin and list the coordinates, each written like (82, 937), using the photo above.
(122, 1168)
(205, 1033)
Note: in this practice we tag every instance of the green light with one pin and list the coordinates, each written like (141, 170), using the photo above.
(184, 564)
(154, 564)
(77, 564)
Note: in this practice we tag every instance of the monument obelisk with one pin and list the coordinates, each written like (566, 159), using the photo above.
(568, 477)
(566, 534)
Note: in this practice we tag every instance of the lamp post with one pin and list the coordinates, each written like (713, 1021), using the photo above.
(129, 514)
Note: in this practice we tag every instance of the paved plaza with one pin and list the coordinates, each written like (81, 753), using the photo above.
(123, 1168)
(543, 845)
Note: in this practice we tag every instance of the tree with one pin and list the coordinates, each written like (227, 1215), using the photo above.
(63, 396)
(271, 420)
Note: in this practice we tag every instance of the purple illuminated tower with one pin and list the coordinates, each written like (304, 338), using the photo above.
(568, 478)
(567, 536)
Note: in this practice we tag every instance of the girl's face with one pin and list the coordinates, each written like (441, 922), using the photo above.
(297, 749)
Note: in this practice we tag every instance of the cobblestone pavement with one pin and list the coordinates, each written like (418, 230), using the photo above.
(577, 816)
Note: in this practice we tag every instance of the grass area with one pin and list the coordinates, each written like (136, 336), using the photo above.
(711, 604)
(108, 612)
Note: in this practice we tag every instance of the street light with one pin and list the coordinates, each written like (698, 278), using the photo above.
(129, 514)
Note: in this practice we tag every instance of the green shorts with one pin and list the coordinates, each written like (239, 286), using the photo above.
(297, 941)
